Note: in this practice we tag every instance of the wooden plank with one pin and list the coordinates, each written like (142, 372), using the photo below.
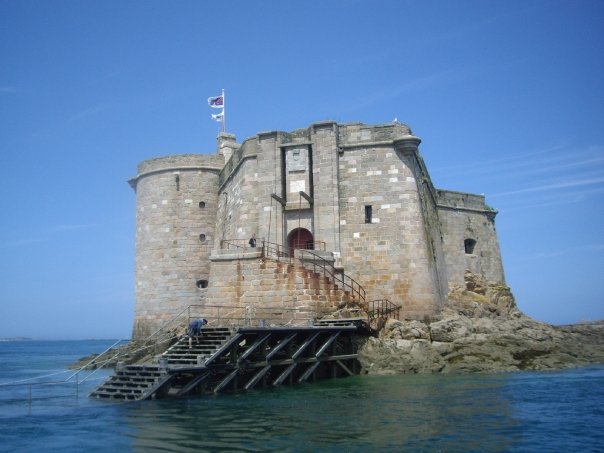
(339, 362)
(280, 346)
(284, 375)
(307, 343)
(307, 197)
(308, 372)
(253, 347)
(225, 347)
(193, 383)
(327, 344)
(226, 381)
(159, 384)
(259, 375)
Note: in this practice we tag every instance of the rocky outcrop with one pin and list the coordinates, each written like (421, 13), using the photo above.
(480, 330)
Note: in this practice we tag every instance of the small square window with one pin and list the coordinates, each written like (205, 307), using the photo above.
(469, 245)
(202, 284)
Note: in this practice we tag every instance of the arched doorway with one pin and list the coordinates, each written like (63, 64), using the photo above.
(301, 238)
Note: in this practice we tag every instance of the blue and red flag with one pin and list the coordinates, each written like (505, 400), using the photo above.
(216, 102)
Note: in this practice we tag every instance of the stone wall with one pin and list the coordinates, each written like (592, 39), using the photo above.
(273, 290)
(238, 212)
(176, 201)
(409, 250)
(390, 256)
(466, 217)
(326, 192)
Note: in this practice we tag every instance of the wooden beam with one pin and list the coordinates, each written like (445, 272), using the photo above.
(253, 347)
(308, 372)
(327, 343)
(259, 375)
(280, 346)
(280, 200)
(304, 346)
(339, 362)
(283, 375)
(307, 197)
(226, 380)
(193, 383)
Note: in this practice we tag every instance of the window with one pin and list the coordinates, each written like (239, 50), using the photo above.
(202, 204)
(202, 237)
(469, 245)
(368, 213)
(201, 284)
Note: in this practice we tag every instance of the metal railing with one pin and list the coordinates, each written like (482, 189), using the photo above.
(233, 316)
(382, 308)
(230, 244)
(25, 389)
(319, 266)
(313, 245)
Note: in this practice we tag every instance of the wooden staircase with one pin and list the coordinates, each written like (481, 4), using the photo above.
(251, 357)
(139, 382)
(180, 355)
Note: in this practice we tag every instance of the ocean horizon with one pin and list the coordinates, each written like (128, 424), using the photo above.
(491, 412)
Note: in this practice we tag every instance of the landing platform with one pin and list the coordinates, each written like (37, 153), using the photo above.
(228, 360)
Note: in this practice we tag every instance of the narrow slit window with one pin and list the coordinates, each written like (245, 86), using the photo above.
(469, 245)
(201, 284)
(368, 213)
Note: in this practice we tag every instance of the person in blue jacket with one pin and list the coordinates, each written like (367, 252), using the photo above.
(194, 330)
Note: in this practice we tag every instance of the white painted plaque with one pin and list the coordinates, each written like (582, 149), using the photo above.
(297, 186)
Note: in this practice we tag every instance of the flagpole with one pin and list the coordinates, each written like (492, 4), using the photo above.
(223, 112)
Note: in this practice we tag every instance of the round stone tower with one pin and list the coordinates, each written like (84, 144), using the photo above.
(176, 205)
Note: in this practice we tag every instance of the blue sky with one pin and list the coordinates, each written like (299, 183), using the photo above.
(508, 98)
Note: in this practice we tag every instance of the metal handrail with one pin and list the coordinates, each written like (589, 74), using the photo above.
(88, 364)
(314, 245)
(105, 358)
(381, 308)
(328, 270)
(238, 243)
(248, 315)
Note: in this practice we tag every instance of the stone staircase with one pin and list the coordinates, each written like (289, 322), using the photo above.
(278, 292)
(139, 382)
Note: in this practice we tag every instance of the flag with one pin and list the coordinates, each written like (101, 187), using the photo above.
(216, 102)
(218, 116)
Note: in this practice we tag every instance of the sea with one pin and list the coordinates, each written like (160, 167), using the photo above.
(557, 411)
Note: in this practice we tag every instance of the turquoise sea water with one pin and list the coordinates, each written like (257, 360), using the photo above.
(517, 412)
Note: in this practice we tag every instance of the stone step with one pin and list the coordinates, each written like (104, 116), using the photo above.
(134, 378)
(115, 396)
(174, 357)
(115, 387)
(138, 375)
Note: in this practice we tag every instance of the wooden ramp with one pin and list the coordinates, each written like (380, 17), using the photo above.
(227, 360)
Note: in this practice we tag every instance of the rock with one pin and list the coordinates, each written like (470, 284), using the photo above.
(411, 330)
(450, 329)
(480, 330)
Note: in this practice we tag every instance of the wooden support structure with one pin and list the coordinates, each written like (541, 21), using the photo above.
(250, 358)
(307, 197)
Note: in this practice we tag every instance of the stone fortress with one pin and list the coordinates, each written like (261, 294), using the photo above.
(358, 195)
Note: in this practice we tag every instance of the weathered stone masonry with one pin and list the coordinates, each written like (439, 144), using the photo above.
(367, 202)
